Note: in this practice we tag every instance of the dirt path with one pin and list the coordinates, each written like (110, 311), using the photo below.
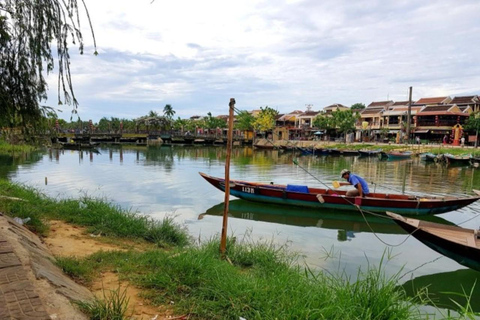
(66, 240)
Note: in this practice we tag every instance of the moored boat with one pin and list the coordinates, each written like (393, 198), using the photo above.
(457, 159)
(399, 155)
(369, 153)
(344, 152)
(428, 156)
(304, 196)
(457, 243)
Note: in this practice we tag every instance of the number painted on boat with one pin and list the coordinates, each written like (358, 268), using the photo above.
(248, 189)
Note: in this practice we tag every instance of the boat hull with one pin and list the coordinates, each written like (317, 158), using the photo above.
(464, 254)
(337, 200)
(457, 160)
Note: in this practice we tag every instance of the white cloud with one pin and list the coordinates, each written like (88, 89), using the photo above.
(284, 54)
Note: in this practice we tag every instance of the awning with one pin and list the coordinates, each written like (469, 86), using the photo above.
(318, 133)
(421, 131)
(441, 131)
(393, 131)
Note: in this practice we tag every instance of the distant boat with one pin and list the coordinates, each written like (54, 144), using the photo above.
(457, 159)
(369, 153)
(303, 196)
(77, 146)
(307, 151)
(267, 146)
(344, 152)
(457, 243)
(428, 156)
(398, 155)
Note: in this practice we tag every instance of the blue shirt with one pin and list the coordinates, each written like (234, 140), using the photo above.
(354, 180)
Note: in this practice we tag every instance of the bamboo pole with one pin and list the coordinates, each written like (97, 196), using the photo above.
(409, 114)
(223, 240)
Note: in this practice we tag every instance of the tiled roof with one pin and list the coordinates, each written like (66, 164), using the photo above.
(400, 103)
(436, 108)
(465, 100)
(434, 100)
(336, 105)
(371, 111)
(379, 103)
(309, 113)
(287, 117)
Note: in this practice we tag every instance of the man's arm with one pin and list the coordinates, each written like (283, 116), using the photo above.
(359, 188)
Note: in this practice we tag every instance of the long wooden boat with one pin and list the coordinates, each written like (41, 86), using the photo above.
(304, 196)
(459, 244)
(457, 159)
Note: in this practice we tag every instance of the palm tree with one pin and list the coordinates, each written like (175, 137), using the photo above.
(168, 112)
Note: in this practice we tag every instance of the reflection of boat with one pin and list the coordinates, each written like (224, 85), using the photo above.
(457, 243)
(457, 159)
(305, 217)
(303, 196)
(475, 161)
(448, 289)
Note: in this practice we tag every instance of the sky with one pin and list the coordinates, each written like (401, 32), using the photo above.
(287, 55)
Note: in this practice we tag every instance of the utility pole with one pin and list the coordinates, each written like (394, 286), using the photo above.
(409, 114)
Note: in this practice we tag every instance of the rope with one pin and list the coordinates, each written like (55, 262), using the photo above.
(373, 231)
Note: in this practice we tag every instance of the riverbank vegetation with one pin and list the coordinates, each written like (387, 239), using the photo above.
(7, 148)
(259, 280)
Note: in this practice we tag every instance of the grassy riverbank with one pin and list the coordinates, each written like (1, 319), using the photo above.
(258, 281)
(7, 148)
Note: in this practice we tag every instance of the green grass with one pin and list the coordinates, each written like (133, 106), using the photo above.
(98, 215)
(454, 151)
(261, 281)
(113, 306)
(7, 148)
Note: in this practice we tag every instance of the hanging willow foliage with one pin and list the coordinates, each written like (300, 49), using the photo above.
(30, 30)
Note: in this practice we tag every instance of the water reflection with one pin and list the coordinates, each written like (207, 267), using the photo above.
(160, 180)
(446, 287)
(347, 223)
(9, 163)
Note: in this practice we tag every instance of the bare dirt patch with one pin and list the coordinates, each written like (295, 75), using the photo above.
(66, 240)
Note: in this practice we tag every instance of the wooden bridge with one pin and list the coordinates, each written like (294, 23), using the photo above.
(147, 138)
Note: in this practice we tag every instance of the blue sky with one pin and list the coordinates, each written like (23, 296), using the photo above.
(196, 55)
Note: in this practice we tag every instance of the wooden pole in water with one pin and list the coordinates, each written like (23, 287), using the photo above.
(409, 114)
(223, 240)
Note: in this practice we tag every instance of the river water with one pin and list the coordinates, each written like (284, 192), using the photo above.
(160, 181)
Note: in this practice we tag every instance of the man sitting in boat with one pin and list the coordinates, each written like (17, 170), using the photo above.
(361, 186)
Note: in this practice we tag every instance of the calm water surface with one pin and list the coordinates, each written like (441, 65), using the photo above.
(160, 181)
